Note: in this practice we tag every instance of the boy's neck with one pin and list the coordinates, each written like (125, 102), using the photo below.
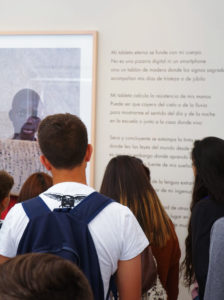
(66, 175)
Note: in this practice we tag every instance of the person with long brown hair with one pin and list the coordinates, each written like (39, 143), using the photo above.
(34, 185)
(127, 180)
(206, 207)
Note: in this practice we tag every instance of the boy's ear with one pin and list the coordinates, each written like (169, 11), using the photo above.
(45, 162)
(89, 151)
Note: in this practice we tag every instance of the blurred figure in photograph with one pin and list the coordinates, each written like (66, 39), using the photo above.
(24, 114)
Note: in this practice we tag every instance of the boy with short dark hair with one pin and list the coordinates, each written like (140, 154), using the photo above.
(117, 236)
(6, 184)
(42, 276)
(63, 140)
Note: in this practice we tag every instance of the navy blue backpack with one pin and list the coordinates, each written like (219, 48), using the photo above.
(64, 232)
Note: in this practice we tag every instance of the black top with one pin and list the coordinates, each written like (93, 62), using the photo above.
(204, 214)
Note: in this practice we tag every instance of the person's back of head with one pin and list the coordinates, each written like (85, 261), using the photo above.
(127, 180)
(6, 184)
(35, 184)
(42, 276)
(208, 162)
(208, 166)
(63, 140)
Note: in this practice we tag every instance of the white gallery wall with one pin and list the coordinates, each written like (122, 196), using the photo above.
(160, 81)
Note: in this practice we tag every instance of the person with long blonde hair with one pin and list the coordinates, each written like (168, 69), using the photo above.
(127, 180)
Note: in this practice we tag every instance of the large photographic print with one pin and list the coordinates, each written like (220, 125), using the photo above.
(42, 74)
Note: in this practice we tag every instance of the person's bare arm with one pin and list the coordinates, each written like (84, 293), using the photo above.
(3, 259)
(129, 279)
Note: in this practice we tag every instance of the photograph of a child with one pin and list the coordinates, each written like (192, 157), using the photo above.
(36, 82)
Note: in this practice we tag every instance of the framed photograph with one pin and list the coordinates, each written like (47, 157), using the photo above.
(43, 73)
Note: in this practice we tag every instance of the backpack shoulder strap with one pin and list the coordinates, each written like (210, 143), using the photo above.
(35, 207)
(91, 206)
